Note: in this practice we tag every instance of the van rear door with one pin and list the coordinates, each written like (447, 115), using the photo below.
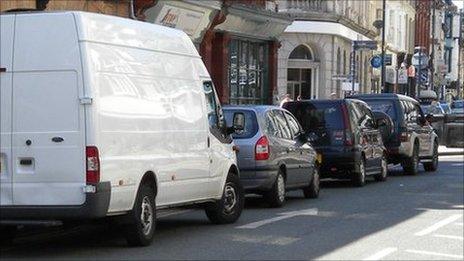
(6, 55)
(48, 141)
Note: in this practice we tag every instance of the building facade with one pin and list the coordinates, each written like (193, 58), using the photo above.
(314, 59)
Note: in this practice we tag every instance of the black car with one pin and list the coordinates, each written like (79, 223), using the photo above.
(413, 139)
(346, 134)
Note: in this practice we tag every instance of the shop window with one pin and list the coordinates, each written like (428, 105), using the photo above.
(247, 71)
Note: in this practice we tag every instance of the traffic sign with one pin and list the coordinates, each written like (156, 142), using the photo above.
(388, 59)
(340, 77)
(376, 61)
(370, 45)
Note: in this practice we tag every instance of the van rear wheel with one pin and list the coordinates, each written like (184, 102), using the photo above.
(142, 219)
(229, 208)
(411, 165)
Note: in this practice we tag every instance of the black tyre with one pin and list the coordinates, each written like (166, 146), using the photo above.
(7, 235)
(359, 177)
(411, 165)
(142, 220)
(312, 191)
(382, 176)
(432, 165)
(276, 196)
(229, 208)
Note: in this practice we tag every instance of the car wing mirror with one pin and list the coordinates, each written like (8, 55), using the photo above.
(430, 117)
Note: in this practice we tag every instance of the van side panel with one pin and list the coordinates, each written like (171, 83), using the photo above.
(6, 61)
(48, 120)
(148, 109)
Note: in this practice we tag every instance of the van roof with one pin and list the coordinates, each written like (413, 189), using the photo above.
(100, 28)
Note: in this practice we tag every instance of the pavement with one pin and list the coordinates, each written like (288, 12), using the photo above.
(443, 150)
(405, 218)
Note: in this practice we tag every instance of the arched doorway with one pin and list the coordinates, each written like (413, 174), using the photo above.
(302, 74)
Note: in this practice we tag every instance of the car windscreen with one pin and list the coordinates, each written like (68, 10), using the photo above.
(386, 106)
(431, 109)
(251, 124)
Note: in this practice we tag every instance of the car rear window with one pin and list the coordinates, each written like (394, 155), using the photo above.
(251, 124)
(317, 115)
(386, 106)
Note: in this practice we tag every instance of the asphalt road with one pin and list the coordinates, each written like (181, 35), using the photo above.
(407, 217)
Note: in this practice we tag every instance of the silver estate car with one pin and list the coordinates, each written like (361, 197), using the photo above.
(274, 155)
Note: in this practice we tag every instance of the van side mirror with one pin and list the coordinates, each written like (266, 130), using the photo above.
(421, 120)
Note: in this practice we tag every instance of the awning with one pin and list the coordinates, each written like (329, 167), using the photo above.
(330, 28)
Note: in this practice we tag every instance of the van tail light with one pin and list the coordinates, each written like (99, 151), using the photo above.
(346, 123)
(92, 165)
(262, 149)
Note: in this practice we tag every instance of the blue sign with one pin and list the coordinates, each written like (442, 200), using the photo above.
(376, 61)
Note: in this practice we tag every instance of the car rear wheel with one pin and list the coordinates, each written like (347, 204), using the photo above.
(142, 219)
(312, 191)
(432, 165)
(229, 208)
(276, 197)
(383, 170)
(359, 177)
(411, 165)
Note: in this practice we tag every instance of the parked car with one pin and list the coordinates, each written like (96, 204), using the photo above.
(457, 107)
(104, 116)
(413, 139)
(345, 133)
(439, 118)
(454, 126)
(274, 155)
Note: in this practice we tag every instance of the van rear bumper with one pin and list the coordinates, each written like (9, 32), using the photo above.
(95, 206)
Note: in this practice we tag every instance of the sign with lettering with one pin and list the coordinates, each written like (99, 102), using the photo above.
(181, 18)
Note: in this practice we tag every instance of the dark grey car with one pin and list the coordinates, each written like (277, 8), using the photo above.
(274, 155)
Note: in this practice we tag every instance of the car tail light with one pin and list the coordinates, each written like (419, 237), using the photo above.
(346, 123)
(93, 164)
(262, 149)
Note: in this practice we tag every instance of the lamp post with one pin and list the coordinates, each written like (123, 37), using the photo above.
(384, 3)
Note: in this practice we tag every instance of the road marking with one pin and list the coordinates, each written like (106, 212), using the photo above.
(382, 253)
(433, 254)
(449, 236)
(267, 240)
(285, 215)
(438, 225)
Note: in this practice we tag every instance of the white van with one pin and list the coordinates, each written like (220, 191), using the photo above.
(104, 116)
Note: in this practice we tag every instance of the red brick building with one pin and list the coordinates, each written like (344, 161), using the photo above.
(237, 39)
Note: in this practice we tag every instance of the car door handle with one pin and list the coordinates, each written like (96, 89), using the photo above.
(57, 139)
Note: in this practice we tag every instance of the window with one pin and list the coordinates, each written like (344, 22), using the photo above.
(247, 71)
(282, 125)
(301, 52)
(251, 123)
(293, 125)
(271, 126)
(211, 104)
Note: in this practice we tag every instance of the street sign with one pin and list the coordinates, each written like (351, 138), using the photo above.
(370, 45)
(388, 59)
(420, 59)
(376, 61)
(402, 76)
(340, 77)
